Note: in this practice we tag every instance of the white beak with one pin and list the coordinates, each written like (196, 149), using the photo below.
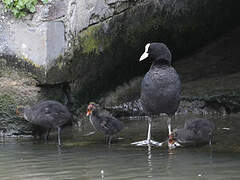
(145, 54)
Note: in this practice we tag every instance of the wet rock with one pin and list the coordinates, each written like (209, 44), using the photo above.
(114, 45)
(16, 88)
(210, 81)
(19, 87)
(223, 103)
(96, 39)
(94, 45)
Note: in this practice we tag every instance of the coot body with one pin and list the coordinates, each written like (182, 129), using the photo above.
(48, 114)
(160, 91)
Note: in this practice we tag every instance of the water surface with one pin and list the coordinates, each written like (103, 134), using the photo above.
(87, 157)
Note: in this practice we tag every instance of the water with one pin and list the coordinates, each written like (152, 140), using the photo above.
(87, 157)
(32, 161)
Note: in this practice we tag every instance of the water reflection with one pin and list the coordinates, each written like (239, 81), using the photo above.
(25, 158)
(149, 161)
(34, 161)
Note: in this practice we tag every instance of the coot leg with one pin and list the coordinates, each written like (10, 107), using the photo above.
(169, 125)
(171, 142)
(210, 139)
(59, 134)
(148, 141)
(48, 132)
(46, 135)
(109, 140)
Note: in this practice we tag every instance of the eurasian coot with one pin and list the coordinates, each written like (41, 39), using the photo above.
(103, 121)
(160, 88)
(48, 114)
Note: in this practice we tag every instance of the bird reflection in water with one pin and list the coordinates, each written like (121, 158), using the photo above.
(149, 161)
(59, 150)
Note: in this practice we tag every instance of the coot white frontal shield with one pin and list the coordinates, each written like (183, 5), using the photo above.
(145, 54)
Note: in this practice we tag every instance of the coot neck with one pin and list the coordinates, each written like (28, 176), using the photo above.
(27, 114)
(95, 112)
(90, 118)
(160, 63)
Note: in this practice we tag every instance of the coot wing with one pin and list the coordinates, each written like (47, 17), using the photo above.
(51, 115)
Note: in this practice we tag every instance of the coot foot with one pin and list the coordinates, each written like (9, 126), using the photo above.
(173, 145)
(147, 143)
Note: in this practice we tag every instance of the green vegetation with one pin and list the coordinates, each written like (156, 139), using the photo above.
(20, 8)
(92, 40)
(7, 105)
(17, 88)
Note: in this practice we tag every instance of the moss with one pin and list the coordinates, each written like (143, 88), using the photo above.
(23, 65)
(91, 41)
(60, 63)
(3, 62)
(17, 88)
(111, 48)
(7, 105)
(29, 61)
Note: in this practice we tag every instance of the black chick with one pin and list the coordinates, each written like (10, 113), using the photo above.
(103, 122)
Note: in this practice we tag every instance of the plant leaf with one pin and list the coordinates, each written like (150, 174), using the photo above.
(44, 1)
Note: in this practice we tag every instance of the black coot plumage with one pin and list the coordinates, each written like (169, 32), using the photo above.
(48, 114)
(160, 88)
(195, 132)
(103, 121)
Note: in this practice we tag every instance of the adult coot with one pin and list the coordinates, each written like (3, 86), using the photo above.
(48, 114)
(195, 132)
(160, 88)
(103, 121)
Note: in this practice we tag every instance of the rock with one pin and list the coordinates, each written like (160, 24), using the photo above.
(103, 30)
(210, 79)
(94, 45)
(113, 45)
(19, 87)
(16, 89)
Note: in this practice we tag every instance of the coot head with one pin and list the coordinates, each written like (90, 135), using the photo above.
(92, 106)
(157, 52)
(20, 110)
(23, 110)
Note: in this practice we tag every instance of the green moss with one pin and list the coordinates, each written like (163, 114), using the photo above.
(3, 62)
(60, 63)
(111, 49)
(91, 41)
(17, 87)
(29, 61)
(7, 105)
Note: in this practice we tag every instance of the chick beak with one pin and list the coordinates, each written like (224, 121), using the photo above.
(88, 112)
(17, 112)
